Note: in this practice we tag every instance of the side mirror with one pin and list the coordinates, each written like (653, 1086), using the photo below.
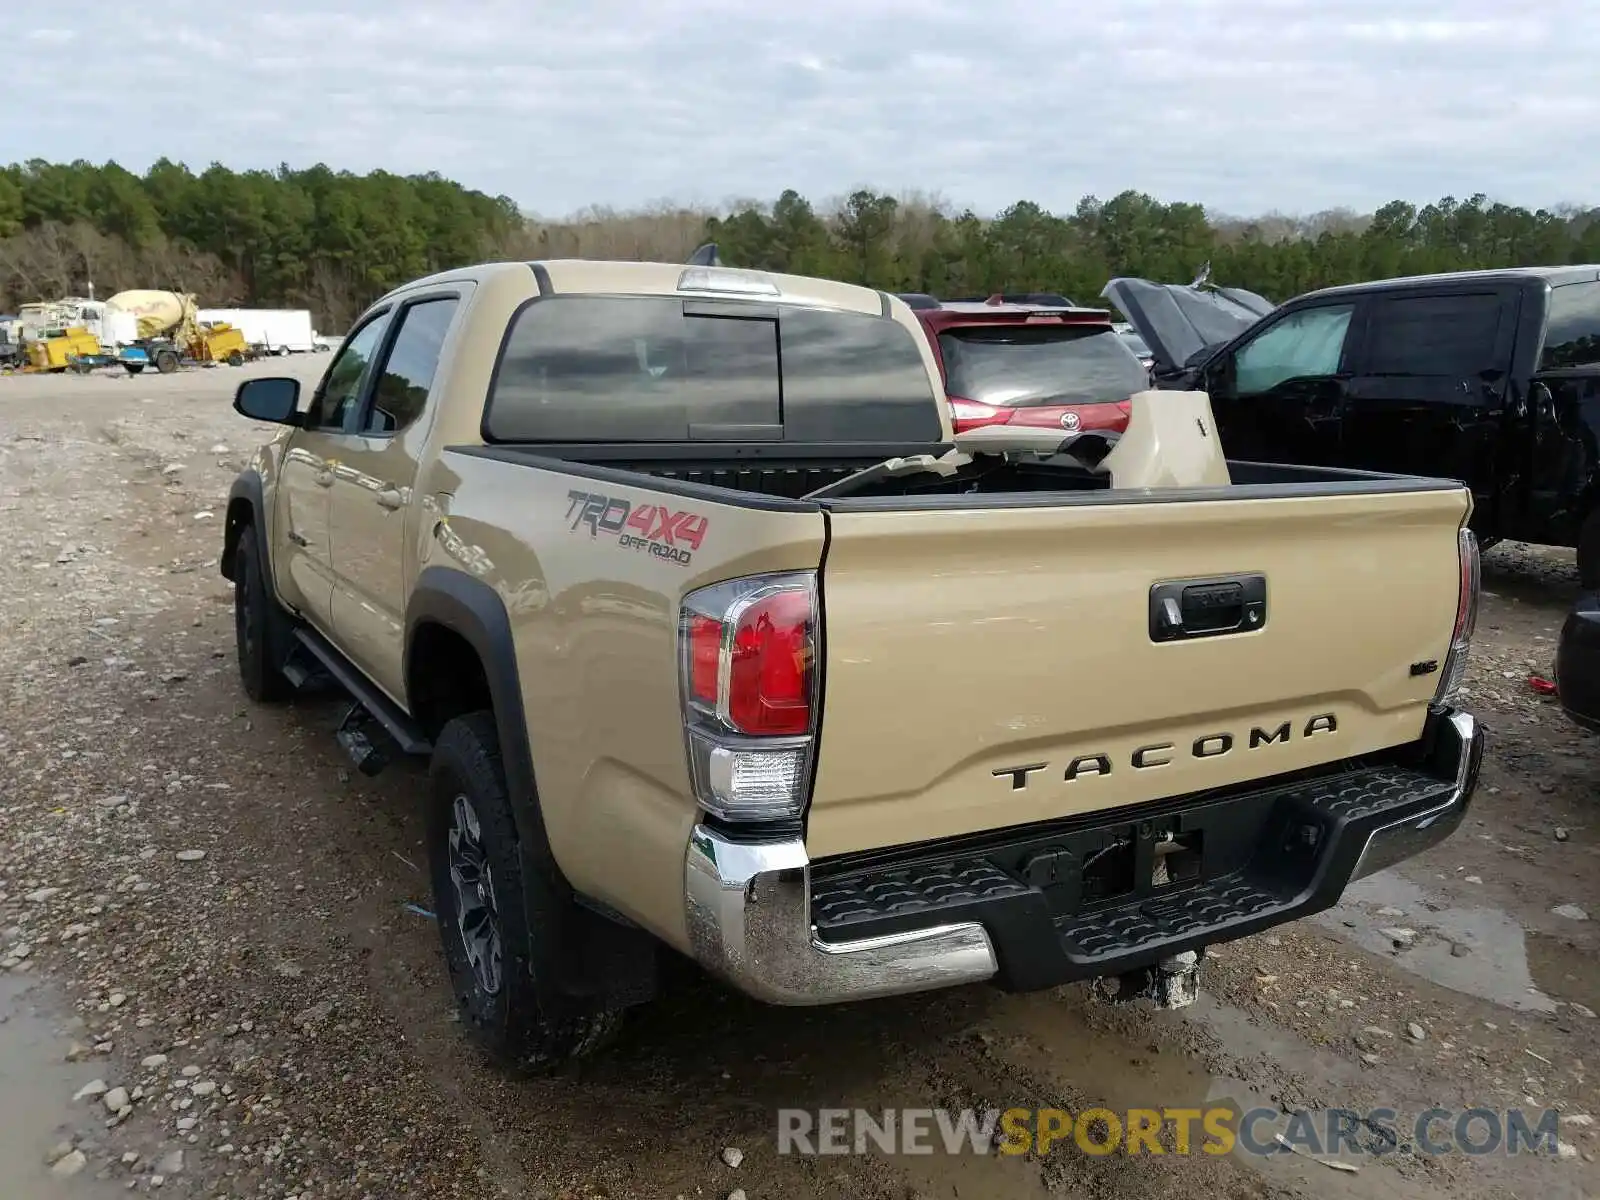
(274, 399)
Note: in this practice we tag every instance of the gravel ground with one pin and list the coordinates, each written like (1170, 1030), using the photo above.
(211, 983)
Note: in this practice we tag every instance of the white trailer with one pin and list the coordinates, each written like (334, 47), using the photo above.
(277, 330)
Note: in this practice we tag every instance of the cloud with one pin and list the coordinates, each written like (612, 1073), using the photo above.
(1243, 105)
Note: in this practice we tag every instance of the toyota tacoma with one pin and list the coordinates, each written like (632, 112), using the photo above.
(719, 640)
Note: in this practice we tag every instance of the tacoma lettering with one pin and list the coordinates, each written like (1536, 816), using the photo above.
(1160, 754)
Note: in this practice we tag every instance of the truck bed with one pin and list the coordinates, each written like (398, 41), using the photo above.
(740, 474)
(1015, 629)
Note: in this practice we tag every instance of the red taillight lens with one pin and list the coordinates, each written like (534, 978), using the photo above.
(747, 663)
(705, 656)
(969, 414)
(1090, 417)
(769, 685)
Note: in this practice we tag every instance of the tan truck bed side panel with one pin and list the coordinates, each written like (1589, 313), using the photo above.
(962, 644)
(595, 624)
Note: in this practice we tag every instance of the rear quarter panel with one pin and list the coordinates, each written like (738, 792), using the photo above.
(595, 625)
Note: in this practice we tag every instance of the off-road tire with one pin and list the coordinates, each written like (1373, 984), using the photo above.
(263, 681)
(1589, 553)
(520, 1024)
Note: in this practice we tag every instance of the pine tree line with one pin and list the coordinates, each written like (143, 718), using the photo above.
(331, 241)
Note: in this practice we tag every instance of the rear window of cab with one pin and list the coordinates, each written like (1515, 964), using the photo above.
(669, 369)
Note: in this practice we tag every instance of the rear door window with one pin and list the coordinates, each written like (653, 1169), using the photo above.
(664, 369)
(1022, 366)
(1572, 333)
(1306, 344)
(1452, 335)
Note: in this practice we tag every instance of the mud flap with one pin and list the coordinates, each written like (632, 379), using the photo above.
(1172, 983)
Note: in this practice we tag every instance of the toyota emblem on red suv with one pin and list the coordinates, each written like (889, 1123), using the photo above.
(1070, 421)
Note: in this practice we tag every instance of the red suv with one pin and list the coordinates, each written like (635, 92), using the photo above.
(1011, 363)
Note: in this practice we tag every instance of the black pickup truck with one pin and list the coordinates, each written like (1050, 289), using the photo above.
(1489, 377)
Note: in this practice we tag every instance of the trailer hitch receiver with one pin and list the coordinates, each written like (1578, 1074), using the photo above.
(1173, 982)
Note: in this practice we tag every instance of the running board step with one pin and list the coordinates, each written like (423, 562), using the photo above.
(385, 711)
(368, 758)
(305, 676)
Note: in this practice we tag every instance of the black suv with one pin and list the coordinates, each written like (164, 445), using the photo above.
(1489, 377)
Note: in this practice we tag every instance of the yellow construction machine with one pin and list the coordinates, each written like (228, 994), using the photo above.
(169, 331)
(58, 351)
(132, 329)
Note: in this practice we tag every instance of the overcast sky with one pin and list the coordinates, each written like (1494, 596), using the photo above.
(1243, 105)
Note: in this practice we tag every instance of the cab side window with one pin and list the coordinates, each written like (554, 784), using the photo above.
(337, 401)
(1306, 344)
(402, 389)
(1454, 336)
(1572, 334)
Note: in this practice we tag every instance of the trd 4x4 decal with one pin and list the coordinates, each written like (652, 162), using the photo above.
(654, 529)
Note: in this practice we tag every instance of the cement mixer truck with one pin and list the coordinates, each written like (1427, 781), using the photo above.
(169, 333)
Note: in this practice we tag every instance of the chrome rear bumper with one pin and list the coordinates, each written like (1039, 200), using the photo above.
(750, 922)
(751, 919)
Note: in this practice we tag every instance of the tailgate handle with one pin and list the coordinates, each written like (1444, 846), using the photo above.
(1181, 609)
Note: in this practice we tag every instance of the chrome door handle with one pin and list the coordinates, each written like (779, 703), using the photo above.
(389, 498)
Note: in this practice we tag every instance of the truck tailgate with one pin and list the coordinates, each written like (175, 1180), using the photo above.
(994, 667)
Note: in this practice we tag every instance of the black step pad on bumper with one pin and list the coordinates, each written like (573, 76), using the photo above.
(1084, 897)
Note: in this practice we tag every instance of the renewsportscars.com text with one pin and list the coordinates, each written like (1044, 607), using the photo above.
(1215, 1130)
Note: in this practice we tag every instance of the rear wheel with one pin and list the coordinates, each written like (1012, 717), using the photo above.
(166, 361)
(499, 965)
(263, 681)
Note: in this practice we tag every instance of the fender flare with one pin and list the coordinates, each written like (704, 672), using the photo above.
(471, 608)
(597, 954)
(247, 506)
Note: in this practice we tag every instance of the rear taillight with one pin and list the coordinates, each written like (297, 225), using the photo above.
(749, 681)
(969, 414)
(1077, 418)
(1455, 663)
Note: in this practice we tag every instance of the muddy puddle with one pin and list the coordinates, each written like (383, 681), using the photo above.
(36, 1107)
(1480, 950)
(1067, 1053)
(1075, 1051)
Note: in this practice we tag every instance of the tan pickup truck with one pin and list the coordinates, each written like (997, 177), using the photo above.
(720, 642)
